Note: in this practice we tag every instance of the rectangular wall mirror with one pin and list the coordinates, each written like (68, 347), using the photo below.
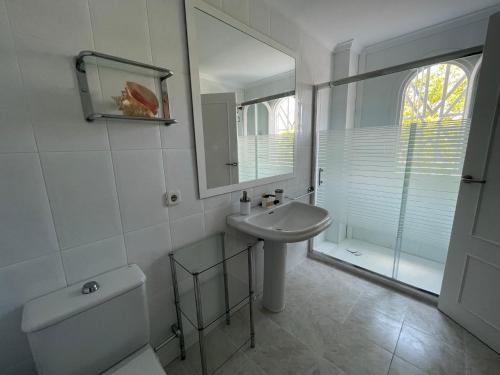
(244, 107)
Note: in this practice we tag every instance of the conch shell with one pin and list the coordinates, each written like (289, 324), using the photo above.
(137, 100)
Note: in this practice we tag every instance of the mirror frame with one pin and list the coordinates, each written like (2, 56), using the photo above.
(190, 6)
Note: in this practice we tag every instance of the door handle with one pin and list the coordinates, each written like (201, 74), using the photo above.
(232, 164)
(320, 181)
(468, 179)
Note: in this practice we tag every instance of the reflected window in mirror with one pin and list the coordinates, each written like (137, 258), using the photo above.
(266, 139)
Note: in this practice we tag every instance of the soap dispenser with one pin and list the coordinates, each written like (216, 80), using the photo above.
(245, 204)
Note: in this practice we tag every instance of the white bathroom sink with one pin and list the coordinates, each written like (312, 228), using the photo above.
(290, 222)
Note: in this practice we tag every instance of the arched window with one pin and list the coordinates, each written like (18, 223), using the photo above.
(437, 93)
(284, 115)
(257, 119)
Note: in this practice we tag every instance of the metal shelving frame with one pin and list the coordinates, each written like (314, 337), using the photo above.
(201, 324)
(86, 98)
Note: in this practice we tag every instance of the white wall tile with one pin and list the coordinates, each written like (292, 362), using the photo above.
(187, 230)
(83, 262)
(121, 28)
(65, 23)
(179, 135)
(238, 9)
(215, 220)
(30, 279)
(260, 17)
(41, 71)
(133, 135)
(168, 35)
(149, 248)
(59, 123)
(161, 314)
(82, 194)
(217, 202)
(140, 183)
(16, 133)
(180, 168)
(26, 225)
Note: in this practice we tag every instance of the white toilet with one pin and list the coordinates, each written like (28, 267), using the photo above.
(105, 331)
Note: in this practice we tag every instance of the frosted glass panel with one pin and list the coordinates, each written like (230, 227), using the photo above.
(390, 164)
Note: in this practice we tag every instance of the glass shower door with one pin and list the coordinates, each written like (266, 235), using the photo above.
(389, 169)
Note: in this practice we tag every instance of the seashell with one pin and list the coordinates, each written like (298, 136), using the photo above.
(137, 100)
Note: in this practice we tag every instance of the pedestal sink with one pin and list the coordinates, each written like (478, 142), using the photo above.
(291, 221)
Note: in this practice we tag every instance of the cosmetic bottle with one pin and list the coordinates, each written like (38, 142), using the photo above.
(245, 204)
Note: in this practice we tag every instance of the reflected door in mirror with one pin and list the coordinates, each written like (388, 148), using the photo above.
(219, 132)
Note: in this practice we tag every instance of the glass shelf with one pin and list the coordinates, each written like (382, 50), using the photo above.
(200, 256)
(120, 63)
(210, 284)
(213, 299)
(85, 59)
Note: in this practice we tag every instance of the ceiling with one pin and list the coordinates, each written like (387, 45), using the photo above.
(371, 21)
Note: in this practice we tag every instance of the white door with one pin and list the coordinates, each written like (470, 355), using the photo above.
(219, 133)
(471, 287)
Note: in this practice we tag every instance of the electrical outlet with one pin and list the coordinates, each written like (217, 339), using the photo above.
(173, 197)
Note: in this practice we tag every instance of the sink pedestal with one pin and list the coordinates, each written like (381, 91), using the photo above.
(274, 275)
(288, 222)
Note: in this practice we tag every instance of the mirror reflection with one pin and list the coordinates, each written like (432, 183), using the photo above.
(248, 104)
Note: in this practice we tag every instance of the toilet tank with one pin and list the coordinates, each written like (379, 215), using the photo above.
(71, 333)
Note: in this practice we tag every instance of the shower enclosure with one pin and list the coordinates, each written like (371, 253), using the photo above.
(389, 156)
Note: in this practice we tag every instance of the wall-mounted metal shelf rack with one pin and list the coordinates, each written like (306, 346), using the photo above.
(103, 60)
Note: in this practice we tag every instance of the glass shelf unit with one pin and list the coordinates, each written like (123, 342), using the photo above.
(87, 59)
(205, 289)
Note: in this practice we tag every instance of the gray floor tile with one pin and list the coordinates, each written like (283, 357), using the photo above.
(428, 353)
(373, 325)
(278, 352)
(429, 319)
(386, 301)
(480, 359)
(240, 364)
(401, 367)
(354, 354)
(335, 323)
(178, 367)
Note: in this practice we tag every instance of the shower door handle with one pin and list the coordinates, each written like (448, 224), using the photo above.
(232, 164)
(468, 179)
(320, 181)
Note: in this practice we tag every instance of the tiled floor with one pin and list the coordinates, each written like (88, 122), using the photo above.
(420, 272)
(336, 323)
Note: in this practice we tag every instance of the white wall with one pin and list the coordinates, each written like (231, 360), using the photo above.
(277, 84)
(79, 198)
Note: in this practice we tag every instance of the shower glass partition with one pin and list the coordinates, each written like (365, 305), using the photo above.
(389, 155)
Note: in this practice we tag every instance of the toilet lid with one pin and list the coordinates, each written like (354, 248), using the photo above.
(144, 361)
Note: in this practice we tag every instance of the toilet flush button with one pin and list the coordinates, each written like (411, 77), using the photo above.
(90, 287)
